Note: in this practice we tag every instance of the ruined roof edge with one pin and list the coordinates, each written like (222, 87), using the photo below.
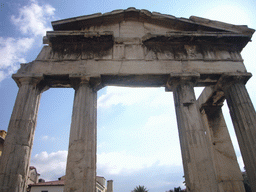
(243, 29)
(222, 25)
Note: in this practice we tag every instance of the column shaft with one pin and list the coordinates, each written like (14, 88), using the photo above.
(197, 161)
(228, 173)
(15, 160)
(81, 163)
(244, 120)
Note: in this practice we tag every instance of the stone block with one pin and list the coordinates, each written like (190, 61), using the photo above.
(45, 54)
(180, 53)
(61, 56)
(236, 56)
(156, 29)
(222, 55)
(209, 54)
(165, 55)
(65, 67)
(103, 55)
(134, 52)
(108, 27)
(193, 52)
(216, 66)
(118, 52)
(71, 57)
(150, 55)
(42, 67)
(143, 67)
(173, 66)
(131, 29)
(102, 67)
(87, 55)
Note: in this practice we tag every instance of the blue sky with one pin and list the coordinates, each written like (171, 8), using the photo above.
(137, 133)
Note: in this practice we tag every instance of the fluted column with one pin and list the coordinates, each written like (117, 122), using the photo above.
(15, 160)
(244, 120)
(81, 163)
(197, 161)
(229, 176)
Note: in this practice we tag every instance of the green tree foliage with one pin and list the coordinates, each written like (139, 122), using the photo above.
(140, 189)
(178, 189)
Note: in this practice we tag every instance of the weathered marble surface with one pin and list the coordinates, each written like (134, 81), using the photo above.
(197, 161)
(227, 170)
(81, 163)
(137, 42)
(244, 120)
(14, 165)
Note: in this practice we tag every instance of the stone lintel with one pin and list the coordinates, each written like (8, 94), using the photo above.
(149, 36)
(78, 33)
(146, 80)
(50, 35)
(98, 81)
(180, 78)
(210, 96)
(127, 40)
(229, 40)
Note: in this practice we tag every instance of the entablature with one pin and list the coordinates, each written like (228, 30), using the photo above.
(212, 95)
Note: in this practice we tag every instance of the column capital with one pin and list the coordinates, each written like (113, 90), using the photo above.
(228, 79)
(181, 78)
(92, 81)
(77, 80)
(22, 79)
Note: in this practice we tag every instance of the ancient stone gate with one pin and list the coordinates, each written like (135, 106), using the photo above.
(139, 48)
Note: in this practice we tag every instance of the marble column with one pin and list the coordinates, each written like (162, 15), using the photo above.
(244, 120)
(197, 161)
(229, 176)
(14, 166)
(81, 163)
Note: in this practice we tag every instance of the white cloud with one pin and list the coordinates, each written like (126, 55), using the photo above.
(49, 10)
(33, 21)
(2, 75)
(161, 139)
(50, 166)
(130, 96)
(47, 138)
(153, 97)
(156, 144)
(12, 53)
(117, 162)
